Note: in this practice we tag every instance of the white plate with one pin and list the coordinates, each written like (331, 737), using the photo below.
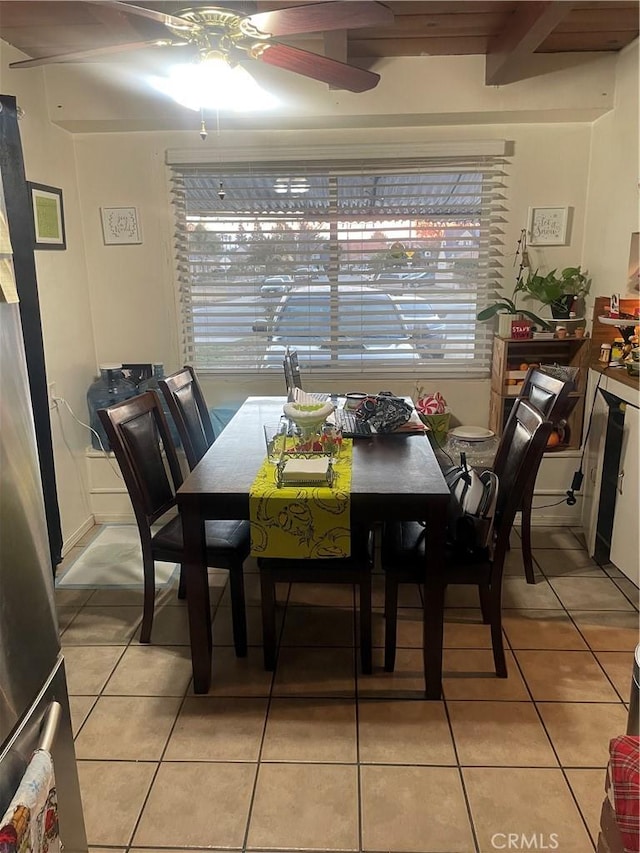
(471, 433)
(618, 321)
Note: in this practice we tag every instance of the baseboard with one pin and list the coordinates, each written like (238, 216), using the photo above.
(114, 518)
(77, 535)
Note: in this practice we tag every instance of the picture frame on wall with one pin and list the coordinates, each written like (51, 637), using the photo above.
(548, 226)
(120, 226)
(48, 217)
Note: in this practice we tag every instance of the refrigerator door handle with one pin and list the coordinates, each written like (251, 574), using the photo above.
(50, 726)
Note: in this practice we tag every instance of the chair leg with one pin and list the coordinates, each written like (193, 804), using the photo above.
(485, 603)
(238, 611)
(149, 571)
(182, 584)
(390, 621)
(496, 633)
(268, 597)
(365, 624)
(526, 540)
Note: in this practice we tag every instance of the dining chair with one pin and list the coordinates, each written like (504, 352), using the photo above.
(139, 435)
(355, 569)
(551, 397)
(188, 407)
(405, 545)
(291, 369)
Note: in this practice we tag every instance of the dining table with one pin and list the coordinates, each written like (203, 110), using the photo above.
(394, 478)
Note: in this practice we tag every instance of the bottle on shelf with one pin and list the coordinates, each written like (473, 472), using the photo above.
(108, 388)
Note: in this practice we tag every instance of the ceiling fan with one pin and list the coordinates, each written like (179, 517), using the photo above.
(220, 32)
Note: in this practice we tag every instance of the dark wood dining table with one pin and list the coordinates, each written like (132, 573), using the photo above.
(394, 478)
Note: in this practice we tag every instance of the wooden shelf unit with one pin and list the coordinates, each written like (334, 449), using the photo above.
(510, 353)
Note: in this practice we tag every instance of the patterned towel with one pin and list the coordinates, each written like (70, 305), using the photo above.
(624, 761)
(30, 824)
(302, 522)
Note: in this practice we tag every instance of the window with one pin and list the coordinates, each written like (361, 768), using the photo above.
(376, 264)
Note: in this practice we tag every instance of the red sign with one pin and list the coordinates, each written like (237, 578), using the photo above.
(520, 329)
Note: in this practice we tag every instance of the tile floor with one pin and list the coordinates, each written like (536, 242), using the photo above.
(320, 757)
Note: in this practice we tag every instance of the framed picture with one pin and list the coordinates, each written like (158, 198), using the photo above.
(548, 226)
(120, 226)
(48, 217)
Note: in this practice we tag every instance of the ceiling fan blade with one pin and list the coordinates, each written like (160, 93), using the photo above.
(338, 74)
(159, 17)
(321, 17)
(81, 55)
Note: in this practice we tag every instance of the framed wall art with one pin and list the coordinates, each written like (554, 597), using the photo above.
(548, 226)
(48, 217)
(120, 226)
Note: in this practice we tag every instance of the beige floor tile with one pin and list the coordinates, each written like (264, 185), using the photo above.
(113, 793)
(554, 537)
(127, 728)
(613, 571)
(531, 801)
(562, 563)
(102, 626)
(464, 629)
(79, 707)
(629, 589)
(66, 614)
(581, 731)
(619, 668)
(89, 667)
(170, 627)
(321, 595)
(197, 805)
(462, 595)
(89, 536)
(513, 564)
(518, 594)
(223, 626)
(252, 595)
(588, 788)
(470, 674)
(565, 677)
(404, 732)
(608, 630)
(406, 809)
(320, 730)
(315, 672)
(318, 626)
(408, 593)
(590, 594)
(213, 729)
(505, 734)
(233, 676)
(119, 597)
(72, 597)
(578, 532)
(308, 806)
(405, 682)
(541, 629)
(151, 671)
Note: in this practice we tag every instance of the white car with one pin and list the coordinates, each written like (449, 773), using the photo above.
(276, 285)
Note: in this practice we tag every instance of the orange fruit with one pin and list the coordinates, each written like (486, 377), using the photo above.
(512, 381)
(524, 366)
(553, 440)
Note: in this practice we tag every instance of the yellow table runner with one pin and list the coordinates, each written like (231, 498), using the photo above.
(302, 522)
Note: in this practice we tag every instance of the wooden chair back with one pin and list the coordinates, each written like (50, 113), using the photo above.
(188, 407)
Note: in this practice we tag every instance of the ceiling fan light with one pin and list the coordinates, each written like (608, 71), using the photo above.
(214, 84)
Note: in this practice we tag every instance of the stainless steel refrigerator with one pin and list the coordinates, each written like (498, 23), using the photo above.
(32, 672)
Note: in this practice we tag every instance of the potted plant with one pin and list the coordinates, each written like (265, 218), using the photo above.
(558, 290)
(504, 306)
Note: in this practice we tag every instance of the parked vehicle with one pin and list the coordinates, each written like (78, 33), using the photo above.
(305, 317)
(276, 285)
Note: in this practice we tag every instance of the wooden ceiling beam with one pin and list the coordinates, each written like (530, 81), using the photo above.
(525, 30)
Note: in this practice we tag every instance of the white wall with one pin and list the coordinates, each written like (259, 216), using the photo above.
(612, 195)
(64, 295)
(570, 148)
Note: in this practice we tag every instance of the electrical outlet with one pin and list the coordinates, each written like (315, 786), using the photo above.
(52, 393)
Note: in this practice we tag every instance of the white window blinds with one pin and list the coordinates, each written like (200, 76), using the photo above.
(370, 266)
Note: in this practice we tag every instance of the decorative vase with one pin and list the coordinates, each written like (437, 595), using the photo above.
(562, 307)
(504, 324)
(308, 417)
